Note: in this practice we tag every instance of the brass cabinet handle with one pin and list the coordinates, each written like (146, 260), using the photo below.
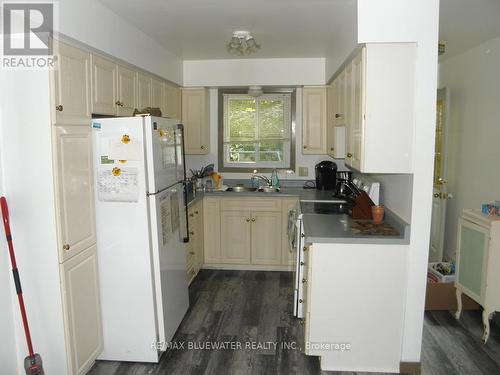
(301, 301)
(304, 281)
(338, 115)
(304, 248)
(253, 219)
(191, 233)
(196, 212)
(331, 148)
(118, 103)
(302, 263)
(305, 147)
(66, 247)
(192, 272)
(59, 108)
(301, 322)
(202, 147)
(191, 215)
(349, 155)
(437, 195)
(191, 252)
(248, 220)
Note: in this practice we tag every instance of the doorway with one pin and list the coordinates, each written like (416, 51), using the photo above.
(440, 192)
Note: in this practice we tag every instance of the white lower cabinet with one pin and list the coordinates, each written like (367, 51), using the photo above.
(80, 292)
(194, 247)
(266, 238)
(248, 231)
(354, 302)
(235, 237)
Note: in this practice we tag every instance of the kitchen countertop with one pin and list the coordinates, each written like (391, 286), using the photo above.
(326, 228)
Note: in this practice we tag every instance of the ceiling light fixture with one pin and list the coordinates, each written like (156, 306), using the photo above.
(242, 43)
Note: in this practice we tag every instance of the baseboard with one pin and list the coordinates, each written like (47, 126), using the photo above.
(246, 267)
(410, 368)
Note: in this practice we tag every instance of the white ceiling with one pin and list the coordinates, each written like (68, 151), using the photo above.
(467, 23)
(199, 29)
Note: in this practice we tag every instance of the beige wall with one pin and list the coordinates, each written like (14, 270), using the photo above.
(473, 78)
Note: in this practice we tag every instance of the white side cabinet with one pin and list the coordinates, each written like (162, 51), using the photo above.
(314, 120)
(71, 85)
(478, 263)
(80, 291)
(74, 197)
(74, 186)
(173, 101)
(376, 104)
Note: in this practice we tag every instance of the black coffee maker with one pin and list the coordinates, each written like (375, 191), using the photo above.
(326, 175)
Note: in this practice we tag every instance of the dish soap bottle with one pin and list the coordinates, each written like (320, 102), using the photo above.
(275, 180)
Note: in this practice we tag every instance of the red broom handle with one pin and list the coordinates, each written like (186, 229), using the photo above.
(15, 272)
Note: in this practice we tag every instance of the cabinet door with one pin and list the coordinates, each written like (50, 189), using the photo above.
(195, 120)
(172, 101)
(143, 91)
(235, 237)
(71, 80)
(103, 86)
(287, 258)
(266, 238)
(348, 113)
(80, 291)
(198, 246)
(330, 124)
(211, 230)
(74, 187)
(356, 119)
(157, 95)
(473, 244)
(127, 91)
(340, 112)
(314, 120)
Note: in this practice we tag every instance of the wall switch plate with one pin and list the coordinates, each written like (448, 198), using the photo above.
(303, 171)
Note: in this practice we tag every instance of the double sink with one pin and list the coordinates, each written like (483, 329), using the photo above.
(249, 189)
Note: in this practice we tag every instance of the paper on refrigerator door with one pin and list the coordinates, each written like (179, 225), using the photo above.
(118, 150)
(166, 219)
(123, 187)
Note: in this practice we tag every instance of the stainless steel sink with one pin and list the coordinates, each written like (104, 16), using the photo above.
(242, 189)
(269, 189)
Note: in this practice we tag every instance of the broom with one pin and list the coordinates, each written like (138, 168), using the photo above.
(33, 362)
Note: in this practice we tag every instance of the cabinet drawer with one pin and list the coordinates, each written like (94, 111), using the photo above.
(252, 204)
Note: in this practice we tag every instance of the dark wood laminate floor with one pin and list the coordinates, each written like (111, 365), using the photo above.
(249, 306)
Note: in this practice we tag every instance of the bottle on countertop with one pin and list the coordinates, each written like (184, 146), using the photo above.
(275, 180)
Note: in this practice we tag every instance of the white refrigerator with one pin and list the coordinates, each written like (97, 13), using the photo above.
(141, 223)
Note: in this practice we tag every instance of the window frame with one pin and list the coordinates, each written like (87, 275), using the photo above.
(220, 141)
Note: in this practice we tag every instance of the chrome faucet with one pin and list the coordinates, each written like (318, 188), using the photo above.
(261, 177)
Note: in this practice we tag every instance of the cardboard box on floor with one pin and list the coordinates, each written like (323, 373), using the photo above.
(442, 296)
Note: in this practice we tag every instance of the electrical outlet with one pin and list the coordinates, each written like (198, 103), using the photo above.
(303, 171)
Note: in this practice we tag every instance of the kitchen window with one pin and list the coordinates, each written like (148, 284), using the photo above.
(256, 132)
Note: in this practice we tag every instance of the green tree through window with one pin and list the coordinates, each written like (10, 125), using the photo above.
(257, 130)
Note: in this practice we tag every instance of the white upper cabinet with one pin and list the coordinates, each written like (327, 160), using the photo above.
(335, 133)
(379, 85)
(71, 85)
(314, 120)
(195, 117)
(127, 89)
(173, 101)
(104, 100)
(158, 95)
(143, 91)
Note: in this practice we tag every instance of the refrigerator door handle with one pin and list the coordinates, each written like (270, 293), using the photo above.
(180, 127)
